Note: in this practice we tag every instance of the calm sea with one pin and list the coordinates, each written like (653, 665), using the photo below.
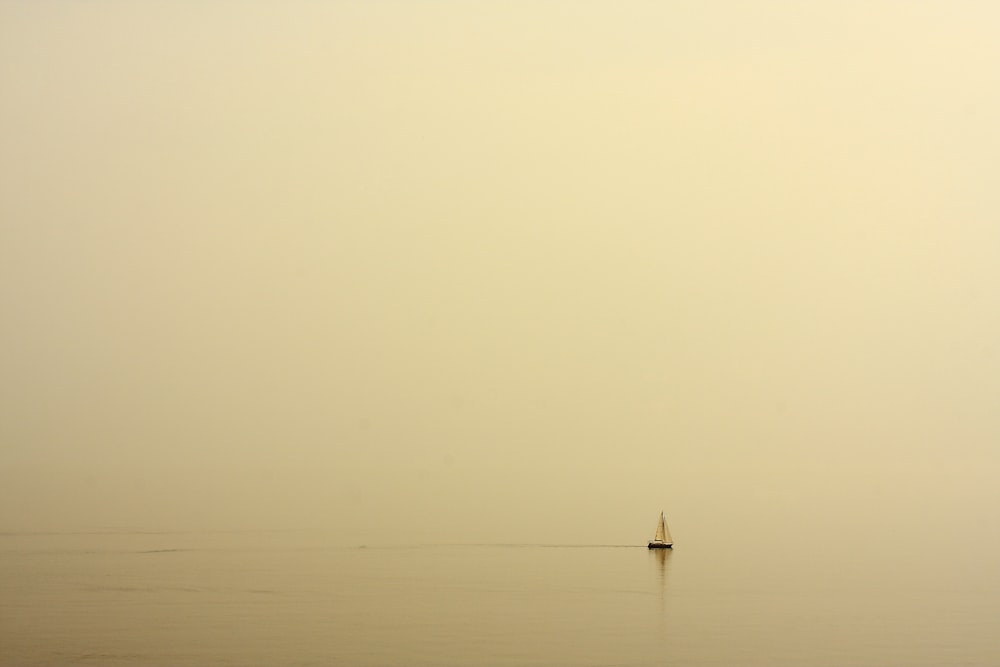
(288, 599)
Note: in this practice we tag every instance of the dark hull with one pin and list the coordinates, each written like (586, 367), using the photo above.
(660, 545)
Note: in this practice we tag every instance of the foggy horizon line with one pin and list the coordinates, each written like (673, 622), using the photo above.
(377, 545)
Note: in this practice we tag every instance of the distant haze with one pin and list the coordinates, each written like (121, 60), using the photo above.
(502, 272)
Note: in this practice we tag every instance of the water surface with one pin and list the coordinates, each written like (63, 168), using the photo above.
(294, 599)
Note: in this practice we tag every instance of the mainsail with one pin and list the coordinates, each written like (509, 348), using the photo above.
(662, 532)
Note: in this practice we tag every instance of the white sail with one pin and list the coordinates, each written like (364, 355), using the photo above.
(660, 530)
(663, 531)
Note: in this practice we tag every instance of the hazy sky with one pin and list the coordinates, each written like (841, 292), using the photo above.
(492, 271)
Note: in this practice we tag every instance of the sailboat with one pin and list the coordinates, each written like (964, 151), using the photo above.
(662, 540)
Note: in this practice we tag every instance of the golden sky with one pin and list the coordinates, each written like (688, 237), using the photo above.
(490, 271)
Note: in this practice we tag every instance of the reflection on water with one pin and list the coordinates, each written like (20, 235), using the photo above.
(661, 563)
(662, 560)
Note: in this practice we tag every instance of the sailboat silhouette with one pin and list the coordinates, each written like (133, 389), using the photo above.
(662, 540)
